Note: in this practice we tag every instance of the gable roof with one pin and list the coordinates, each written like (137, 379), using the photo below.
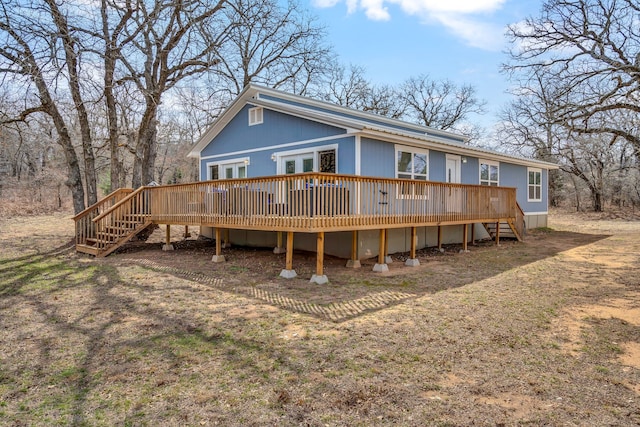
(354, 122)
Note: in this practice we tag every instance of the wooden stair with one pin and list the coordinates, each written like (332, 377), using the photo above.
(507, 230)
(101, 229)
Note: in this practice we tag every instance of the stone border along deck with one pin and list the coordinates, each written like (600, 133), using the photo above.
(336, 312)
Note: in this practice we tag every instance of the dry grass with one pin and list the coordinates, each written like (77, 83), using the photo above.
(540, 333)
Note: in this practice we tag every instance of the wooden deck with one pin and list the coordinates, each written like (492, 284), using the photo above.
(301, 203)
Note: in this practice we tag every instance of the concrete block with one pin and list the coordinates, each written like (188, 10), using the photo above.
(319, 280)
(167, 247)
(288, 274)
(353, 263)
(381, 268)
(218, 258)
(412, 262)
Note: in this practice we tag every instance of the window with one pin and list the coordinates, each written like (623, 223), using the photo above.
(255, 116)
(411, 163)
(489, 173)
(318, 159)
(535, 185)
(229, 169)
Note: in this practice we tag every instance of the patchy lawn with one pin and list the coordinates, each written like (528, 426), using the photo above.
(545, 332)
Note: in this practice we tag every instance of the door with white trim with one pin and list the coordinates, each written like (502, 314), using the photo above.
(453, 176)
(453, 169)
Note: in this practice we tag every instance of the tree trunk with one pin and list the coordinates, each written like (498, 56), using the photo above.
(71, 57)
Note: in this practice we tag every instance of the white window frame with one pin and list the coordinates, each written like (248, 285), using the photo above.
(490, 163)
(534, 185)
(223, 164)
(412, 150)
(315, 151)
(256, 116)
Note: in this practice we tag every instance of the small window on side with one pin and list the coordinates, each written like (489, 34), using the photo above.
(255, 116)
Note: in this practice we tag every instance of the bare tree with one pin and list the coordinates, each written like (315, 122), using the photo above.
(271, 44)
(590, 49)
(528, 126)
(29, 49)
(439, 104)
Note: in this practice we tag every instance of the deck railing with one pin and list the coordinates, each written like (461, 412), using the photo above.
(327, 202)
(85, 226)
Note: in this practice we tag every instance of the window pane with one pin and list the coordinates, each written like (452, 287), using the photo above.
(242, 171)
(404, 162)
(538, 195)
(307, 165)
(532, 178)
(328, 161)
(404, 176)
(228, 173)
(420, 163)
(290, 166)
(420, 177)
(538, 178)
(484, 172)
(494, 173)
(213, 172)
(532, 193)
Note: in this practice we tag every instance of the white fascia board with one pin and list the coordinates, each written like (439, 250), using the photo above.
(452, 148)
(223, 120)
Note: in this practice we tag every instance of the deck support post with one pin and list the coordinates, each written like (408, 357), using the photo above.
(413, 261)
(187, 234)
(167, 240)
(473, 234)
(218, 257)
(498, 233)
(440, 238)
(289, 272)
(227, 243)
(319, 278)
(354, 262)
(465, 237)
(279, 249)
(381, 266)
(387, 258)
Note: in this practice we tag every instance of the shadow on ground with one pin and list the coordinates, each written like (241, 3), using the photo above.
(254, 272)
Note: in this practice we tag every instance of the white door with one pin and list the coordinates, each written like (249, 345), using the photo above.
(453, 169)
(298, 163)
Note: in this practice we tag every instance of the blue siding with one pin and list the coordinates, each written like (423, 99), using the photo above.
(471, 171)
(378, 158)
(437, 166)
(517, 176)
(277, 128)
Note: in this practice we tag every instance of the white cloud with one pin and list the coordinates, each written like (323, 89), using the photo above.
(459, 16)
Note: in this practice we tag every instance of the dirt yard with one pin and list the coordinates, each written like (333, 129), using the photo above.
(545, 332)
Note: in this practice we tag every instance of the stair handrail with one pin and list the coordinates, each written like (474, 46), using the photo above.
(85, 227)
(519, 223)
(102, 201)
(120, 203)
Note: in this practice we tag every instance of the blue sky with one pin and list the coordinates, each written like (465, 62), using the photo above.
(460, 40)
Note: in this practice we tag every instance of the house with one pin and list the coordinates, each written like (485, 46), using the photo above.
(285, 171)
(267, 132)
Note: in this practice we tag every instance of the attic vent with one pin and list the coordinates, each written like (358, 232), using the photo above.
(255, 116)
